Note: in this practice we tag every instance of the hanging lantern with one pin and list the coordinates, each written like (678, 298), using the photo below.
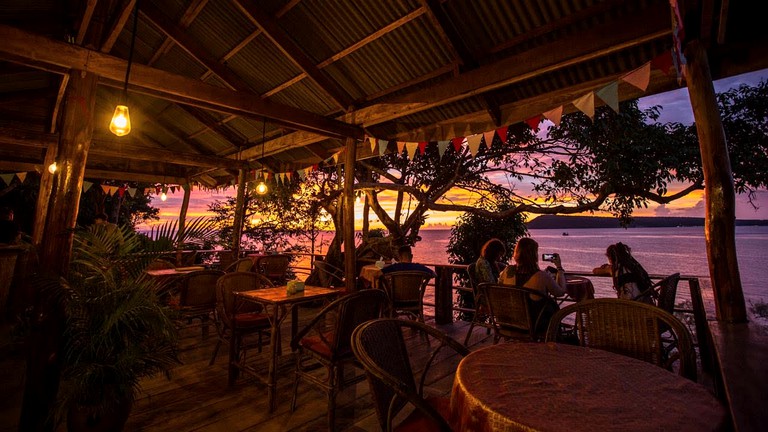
(261, 187)
(52, 168)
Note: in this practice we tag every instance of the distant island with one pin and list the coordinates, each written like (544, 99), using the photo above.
(562, 222)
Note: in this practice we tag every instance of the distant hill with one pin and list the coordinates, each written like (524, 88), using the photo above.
(561, 222)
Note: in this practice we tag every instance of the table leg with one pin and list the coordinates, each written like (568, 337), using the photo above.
(273, 346)
(234, 369)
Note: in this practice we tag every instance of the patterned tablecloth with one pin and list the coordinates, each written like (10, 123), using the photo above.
(553, 387)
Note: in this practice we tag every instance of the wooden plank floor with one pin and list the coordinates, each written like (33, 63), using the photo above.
(196, 396)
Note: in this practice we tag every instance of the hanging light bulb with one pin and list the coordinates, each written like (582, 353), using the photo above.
(121, 121)
(163, 196)
(261, 187)
(52, 168)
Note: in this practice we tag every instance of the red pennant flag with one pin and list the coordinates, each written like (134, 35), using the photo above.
(422, 147)
(457, 143)
(663, 62)
(315, 167)
(121, 191)
(502, 133)
(533, 122)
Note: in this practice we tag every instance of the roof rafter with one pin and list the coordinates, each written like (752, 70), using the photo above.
(292, 51)
(117, 27)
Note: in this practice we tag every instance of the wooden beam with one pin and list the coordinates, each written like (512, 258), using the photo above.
(117, 27)
(59, 98)
(32, 49)
(215, 126)
(44, 194)
(294, 53)
(722, 22)
(90, 6)
(719, 227)
(128, 150)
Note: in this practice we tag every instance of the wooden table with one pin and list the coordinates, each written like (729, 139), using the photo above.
(277, 302)
(370, 275)
(554, 387)
(167, 277)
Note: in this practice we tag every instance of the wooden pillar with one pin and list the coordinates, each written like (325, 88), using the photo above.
(349, 214)
(182, 221)
(43, 372)
(44, 195)
(443, 294)
(237, 228)
(719, 228)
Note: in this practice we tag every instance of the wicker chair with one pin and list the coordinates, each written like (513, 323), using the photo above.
(275, 267)
(326, 340)
(480, 317)
(664, 292)
(380, 347)
(517, 312)
(241, 265)
(197, 296)
(248, 316)
(405, 292)
(629, 328)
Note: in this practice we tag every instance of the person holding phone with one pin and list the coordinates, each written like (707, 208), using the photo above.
(526, 272)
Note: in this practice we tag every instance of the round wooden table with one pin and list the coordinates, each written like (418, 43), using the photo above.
(554, 387)
(579, 288)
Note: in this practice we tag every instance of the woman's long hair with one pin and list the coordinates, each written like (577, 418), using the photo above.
(621, 257)
(527, 256)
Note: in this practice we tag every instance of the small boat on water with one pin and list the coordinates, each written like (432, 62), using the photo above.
(565, 233)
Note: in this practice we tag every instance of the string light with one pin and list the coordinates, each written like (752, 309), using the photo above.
(52, 168)
(261, 187)
(121, 119)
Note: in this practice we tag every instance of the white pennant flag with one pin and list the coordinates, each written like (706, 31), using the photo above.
(610, 95)
(383, 147)
(131, 191)
(442, 146)
(7, 178)
(86, 185)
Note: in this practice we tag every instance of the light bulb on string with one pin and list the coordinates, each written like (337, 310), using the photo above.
(261, 187)
(121, 119)
(52, 168)
(163, 196)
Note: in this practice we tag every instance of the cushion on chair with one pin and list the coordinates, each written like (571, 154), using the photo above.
(251, 319)
(417, 421)
(316, 344)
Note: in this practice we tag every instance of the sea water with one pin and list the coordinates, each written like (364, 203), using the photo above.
(661, 251)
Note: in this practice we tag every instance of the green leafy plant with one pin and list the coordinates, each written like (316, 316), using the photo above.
(116, 331)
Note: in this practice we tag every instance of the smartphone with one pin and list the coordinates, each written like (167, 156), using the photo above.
(548, 257)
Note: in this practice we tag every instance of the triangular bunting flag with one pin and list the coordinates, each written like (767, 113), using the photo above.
(112, 190)
(383, 147)
(86, 185)
(106, 189)
(441, 146)
(400, 146)
(502, 133)
(610, 95)
(289, 174)
(554, 115)
(411, 147)
(457, 143)
(21, 176)
(121, 191)
(336, 157)
(489, 138)
(372, 142)
(131, 191)
(7, 178)
(586, 104)
(473, 141)
(533, 123)
(422, 147)
(302, 174)
(281, 177)
(639, 77)
(663, 62)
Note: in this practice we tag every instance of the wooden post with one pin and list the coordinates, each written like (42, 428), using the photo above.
(349, 214)
(237, 229)
(719, 228)
(443, 294)
(43, 370)
(182, 221)
(44, 195)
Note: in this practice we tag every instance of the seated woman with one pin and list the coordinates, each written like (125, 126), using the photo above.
(630, 280)
(526, 273)
(487, 268)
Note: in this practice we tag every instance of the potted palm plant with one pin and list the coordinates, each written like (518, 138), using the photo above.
(117, 331)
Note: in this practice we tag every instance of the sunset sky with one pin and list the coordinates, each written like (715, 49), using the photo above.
(676, 107)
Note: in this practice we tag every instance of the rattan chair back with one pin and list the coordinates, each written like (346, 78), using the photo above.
(405, 292)
(380, 348)
(517, 312)
(241, 265)
(667, 293)
(275, 267)
(229, 284)
(198, 289)
(630, 328)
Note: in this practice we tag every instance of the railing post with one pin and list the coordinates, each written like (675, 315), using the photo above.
(702, 329)
(443, 294)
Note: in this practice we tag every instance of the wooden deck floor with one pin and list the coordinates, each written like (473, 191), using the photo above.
(196, 397)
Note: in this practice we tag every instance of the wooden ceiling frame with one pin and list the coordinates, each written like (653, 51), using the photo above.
(41, 52)
(294, 53)
(121, 19)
